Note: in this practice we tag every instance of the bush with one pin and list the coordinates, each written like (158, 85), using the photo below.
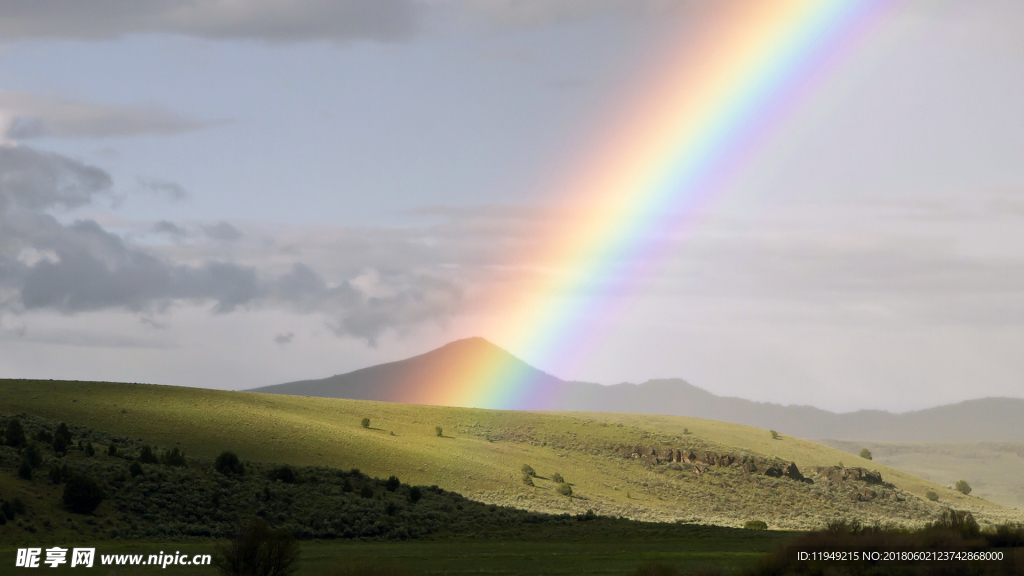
(564, 489)
(415, 494)
(931, 495)
(963, 487)
(33, 455)
(146, 455)
(25, 469)
(367, 491)
(82, 494)
(228, 463)
(439, 430)
(528, 470)
(111, 450)
(59, 474)
(527, 479)
(775, 435)
(44, 437)
(174, 458)
(15, 435)
(284, 474)
(365, 423)
(556, 477)
(865, 453)
(258, 551)
(755, 525)
(135, 469)
(392, 484)
(958, 521)
(90, 451)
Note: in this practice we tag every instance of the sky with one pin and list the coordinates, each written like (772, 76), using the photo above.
(235, 194)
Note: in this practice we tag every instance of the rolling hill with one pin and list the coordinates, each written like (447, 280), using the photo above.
(617, 464)
(986, 419)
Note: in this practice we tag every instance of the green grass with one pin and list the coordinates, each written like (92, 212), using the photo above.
(482, 452)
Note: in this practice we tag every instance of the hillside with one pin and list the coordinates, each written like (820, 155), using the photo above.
(987, 419)
(606, 458)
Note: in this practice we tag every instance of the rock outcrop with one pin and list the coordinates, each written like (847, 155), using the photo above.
(700, 460)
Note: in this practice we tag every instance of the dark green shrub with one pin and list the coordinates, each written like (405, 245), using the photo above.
(528, 470)
(25, 469)
(392, 484)
(775, 435)
(527, 479)
(931, 495)
(59, 473)
(347, 486)
(865, 453)
(111, 450)
(258, 551)
(564, 489)
(15, 434)
(755, 525)
(415, 494)
(60, 445)
(135, 469)
(44, 437)
(556, 477)
(963, 487)
(228, 463)
(366, 491)
(174, 458)
(82, 494)
(89, 450)
(958, 521)
(438, 430)
(365, 423)
(146, 455)
(284, 474)
(33, 455)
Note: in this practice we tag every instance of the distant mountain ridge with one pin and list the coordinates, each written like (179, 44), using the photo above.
(986, 419)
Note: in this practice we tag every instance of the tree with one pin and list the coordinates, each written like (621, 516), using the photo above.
(527, 479)
(283, 473)
(528, 470)
(931, 495)
(775, 435)
(256, 550)
(90, 451)
(415, 494)
(439, 430)
(963, 487)
(33, 455)
(392, 484)
(146, 455)
(365, 423)
(564, 489)
(112, 450)
(366, 491)
(25, 469)
(175, 458)
(228, 463)
(135, 469)
(865, 453)
(556, 477)
(82, 494)
(15, 434)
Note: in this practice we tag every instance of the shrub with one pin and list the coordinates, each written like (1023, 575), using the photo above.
(44, 436)
(556, 477)
(392, 484)
(931, 495)
(111, 450)
(775, 435)
(60, 445)
(755, 525)
(527, 479)
(367, 491)
(15, 435)
(82, 494)
(865, 453)
(415, 494)
(33, 455)
(258, 551)
(174, 458)
(528, 470)
(7, 510)
(25, 469)
(347, 486)
(439, 430)
(59, 474)
(135, 469)
(564, 489)
(90, 451)
(958, 521)
(146, 455)
(228, 463)
(963, 487)
(284, 474)
(365, 423)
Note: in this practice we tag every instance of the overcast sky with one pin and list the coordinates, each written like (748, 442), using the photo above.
(235, 194)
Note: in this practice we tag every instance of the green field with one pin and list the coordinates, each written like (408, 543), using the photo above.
(481, 452)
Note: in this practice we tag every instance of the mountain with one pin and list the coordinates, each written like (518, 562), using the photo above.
(418, 380)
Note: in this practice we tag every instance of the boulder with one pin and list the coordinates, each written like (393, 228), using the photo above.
(789, 470)
(688, 456)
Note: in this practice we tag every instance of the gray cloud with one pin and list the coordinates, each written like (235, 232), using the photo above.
(222, 231)
(283, 339)
(33, 181)
(167, 188)
(25, 115)
(169, 228)
(272, 20)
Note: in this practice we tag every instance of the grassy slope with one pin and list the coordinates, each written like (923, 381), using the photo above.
(317, 431)
(993, 469)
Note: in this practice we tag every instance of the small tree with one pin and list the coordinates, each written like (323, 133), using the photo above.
(258, 551)
(135, 469)
(175, 458)
(365, 422)
(393, 483)
(82, 494)
(111, 450)
(366, 491)
(15, 435)
(527, 479)
(439, 430)
(33, 455)
(564, 489)
(146, 455)
(228, 463)
(775, 435)
(931, 495)
(283, 473)
(963, 487)
(415, 494)
(90, 451)
(25, 469)
(865, 453)
(556, 477)
(528, 470)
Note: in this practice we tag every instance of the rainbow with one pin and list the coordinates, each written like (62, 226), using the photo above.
(712, 107)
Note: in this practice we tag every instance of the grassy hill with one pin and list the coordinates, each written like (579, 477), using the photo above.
(994, 470)
(482, 451)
